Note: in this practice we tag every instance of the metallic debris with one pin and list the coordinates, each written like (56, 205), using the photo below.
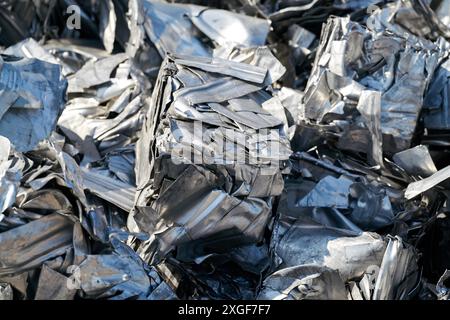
(32, 96)
(194, 149)
(227, 202)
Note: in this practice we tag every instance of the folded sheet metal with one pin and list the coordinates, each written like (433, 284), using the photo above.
(212, 184)
(49, 232)
(303, 282)
(325, 229)
(105, 106)
(32, 94)
(383, 75)
(422, 20)
(175, 28)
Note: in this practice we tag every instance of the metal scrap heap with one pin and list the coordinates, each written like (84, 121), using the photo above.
(196, 149)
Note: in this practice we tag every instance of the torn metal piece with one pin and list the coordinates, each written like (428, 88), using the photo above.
(303, 283)
(39, 241)
(416, 161)
(398, 272)
(6, 292)
(174, 28)
(441, 289)
(416, 188)
(343, 71)
(33, 95)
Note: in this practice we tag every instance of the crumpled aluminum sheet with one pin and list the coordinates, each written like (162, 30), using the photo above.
(382, 77)
(330, 225)
(227, 203)
(51, 221)
(32, 97)
(197, 149)
(175, 28)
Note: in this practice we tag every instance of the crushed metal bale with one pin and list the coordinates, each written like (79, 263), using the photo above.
(248, 150)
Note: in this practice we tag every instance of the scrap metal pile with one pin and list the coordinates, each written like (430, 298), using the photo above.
(290, 149)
